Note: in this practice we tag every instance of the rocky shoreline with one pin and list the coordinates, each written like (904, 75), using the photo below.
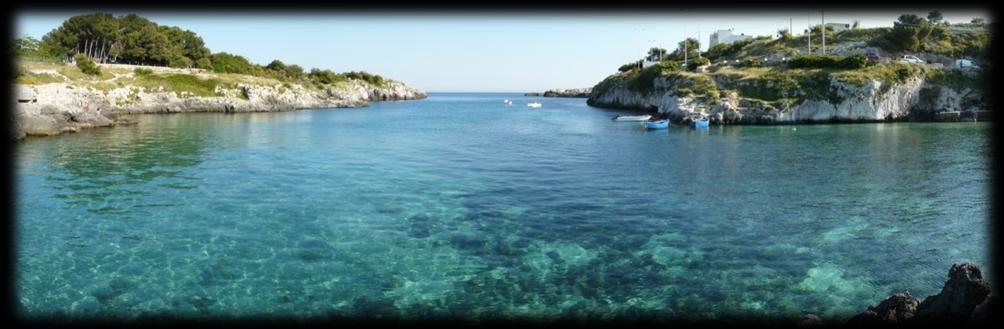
(56, 108)
(916, 99)
(571, 93)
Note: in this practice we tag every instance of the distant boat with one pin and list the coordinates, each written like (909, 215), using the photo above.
(632, 117)
(507, 102)
(534, 105)
(700, 123)
(661, 124)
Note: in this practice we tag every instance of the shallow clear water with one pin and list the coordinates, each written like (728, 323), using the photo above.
(460, 206)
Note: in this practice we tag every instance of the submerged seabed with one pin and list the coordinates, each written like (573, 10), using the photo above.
(460, 206)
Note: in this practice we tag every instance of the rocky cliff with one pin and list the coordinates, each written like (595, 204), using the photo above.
(576, 93)
(54, 108)
(820, 97)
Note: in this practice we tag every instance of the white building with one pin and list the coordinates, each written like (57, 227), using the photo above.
(726, 37)
(838, 27)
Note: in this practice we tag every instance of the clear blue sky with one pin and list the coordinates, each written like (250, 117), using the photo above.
(475, 52)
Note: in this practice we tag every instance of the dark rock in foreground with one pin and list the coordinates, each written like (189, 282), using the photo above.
(897, 308)
(965, 299)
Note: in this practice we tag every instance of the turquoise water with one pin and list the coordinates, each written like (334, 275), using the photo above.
(460, 206)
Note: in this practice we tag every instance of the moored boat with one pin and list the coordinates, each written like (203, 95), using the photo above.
(633, 117)
(700, 123)
(534, 105)
(661, 124)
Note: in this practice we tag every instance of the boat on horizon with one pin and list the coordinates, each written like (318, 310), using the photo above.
(534, 105)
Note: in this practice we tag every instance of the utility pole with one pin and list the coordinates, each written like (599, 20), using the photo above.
(698, 42)
(685, 51)
(808, 33)
(790, 30)
(822, 28)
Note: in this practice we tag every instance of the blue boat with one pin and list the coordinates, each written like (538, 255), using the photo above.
(661, 124)
(700, 123)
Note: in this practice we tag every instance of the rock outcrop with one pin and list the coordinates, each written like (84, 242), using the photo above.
(872, 101)
(575, 93)
(965, 299)
(54, 108)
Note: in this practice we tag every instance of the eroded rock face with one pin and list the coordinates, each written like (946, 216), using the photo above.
(965, 299)
(575, 92)
(964, 290)
(871, 101)
(50, 109)
(897, 308)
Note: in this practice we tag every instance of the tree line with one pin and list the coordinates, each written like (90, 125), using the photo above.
(132, 39)
(128, 39)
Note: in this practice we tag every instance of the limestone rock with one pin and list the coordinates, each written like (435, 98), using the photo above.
(575, 92)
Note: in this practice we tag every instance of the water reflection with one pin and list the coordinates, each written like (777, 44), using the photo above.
(108, 168)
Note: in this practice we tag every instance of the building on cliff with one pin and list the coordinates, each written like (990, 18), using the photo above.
(726, 37)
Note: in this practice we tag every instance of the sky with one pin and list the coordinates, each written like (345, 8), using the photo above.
(479, 52)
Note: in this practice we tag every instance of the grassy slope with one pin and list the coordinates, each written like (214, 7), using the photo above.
(779, 84)
(182, 84)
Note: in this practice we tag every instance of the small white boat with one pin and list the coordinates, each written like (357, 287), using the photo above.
(507, 102)
(632, 117)
(534, 105)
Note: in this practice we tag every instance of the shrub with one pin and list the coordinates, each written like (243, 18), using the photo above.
(700, 61)
(814, 61)
(324, 76)
(373, 79)
(722, 50)
(752, 62)
(228, 63)
(142, 72)
(629, 66)
(668, 65)
(853, 62)
(86, 65)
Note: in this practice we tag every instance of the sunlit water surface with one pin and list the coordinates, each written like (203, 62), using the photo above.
(461, 206)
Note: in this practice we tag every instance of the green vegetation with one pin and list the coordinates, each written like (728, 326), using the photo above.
(178, 83)
(630, 66)
(959, 80)
(142, 72)
(695, 62)
(644, 80)
(699, 85)
(33, 49)
(86, 65)
(725, 50)
(229, 63)
(750, 62)
(829, 62)
(128, 39)
(131, 39)
(28, 78)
